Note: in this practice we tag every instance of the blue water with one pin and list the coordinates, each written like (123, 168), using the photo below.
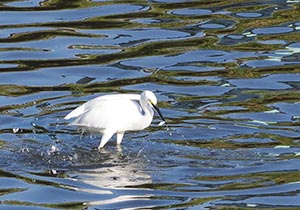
(226, 75)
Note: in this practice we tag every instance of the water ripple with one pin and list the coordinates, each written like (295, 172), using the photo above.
(226, 75)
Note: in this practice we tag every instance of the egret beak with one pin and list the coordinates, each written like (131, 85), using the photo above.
(158, 112)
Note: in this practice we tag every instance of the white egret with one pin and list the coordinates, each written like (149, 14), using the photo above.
(118, 113)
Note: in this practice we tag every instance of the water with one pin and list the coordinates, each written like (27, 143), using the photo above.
(227, 79)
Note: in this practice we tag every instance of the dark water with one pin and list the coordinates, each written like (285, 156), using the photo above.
(226, 74)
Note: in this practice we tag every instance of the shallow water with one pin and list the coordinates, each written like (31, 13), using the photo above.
(226, 75)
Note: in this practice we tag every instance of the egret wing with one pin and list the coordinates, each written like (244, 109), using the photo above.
(114, 114)
(98, 102)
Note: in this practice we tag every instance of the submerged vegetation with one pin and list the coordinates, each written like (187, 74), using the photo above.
(226, 74)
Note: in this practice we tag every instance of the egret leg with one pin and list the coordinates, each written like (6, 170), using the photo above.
(105, 138)
(120, 138)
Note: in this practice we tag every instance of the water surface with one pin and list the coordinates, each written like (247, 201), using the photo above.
(226, 74)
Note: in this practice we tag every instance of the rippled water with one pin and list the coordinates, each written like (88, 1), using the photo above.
(226, 74)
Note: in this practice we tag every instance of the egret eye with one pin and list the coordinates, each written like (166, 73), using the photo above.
(151, 102)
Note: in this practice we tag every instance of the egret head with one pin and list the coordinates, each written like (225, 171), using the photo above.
(151, 99)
